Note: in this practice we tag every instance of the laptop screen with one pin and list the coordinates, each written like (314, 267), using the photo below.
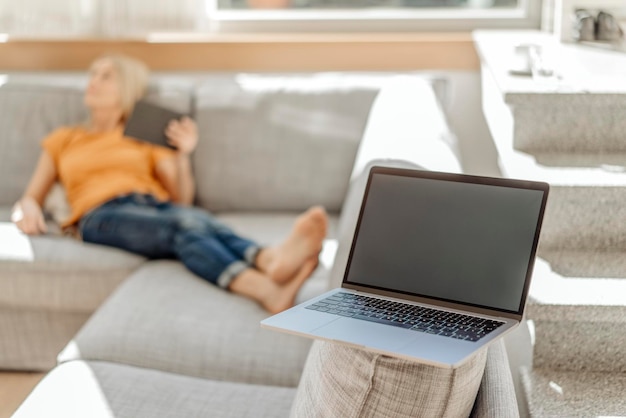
(455, 238)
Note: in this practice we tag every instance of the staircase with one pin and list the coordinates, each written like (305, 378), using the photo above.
(577, 302)
(576, 314)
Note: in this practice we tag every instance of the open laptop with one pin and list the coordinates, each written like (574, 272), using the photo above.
(440, 266)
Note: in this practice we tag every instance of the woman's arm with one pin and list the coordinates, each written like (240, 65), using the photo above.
(27, 213)
(175, 173)
(176, 176)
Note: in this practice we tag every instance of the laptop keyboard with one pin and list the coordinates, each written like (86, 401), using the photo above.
(415, 318)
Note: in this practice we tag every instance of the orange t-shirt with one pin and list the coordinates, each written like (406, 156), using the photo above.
(97, 167)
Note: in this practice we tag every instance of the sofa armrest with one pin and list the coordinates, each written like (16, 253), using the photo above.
(407, 123)
(496, 395)
(406, 129)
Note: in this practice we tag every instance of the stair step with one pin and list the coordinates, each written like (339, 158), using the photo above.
(578, 322)
(552, 393)
(586, 207)
(588, 127)
(584, 110)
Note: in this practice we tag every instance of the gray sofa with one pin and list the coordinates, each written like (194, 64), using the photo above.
(147, 338)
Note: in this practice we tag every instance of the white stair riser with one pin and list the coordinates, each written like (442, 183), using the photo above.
(586, 264)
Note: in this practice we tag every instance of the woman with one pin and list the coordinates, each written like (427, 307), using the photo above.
(136, 196)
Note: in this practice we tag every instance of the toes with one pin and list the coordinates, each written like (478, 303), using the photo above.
(318, 213)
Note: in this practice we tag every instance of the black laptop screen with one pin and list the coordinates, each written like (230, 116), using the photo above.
(455, 241)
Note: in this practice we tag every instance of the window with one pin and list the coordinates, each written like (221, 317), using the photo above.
(374, 15)
(120, 18)
(364, 4)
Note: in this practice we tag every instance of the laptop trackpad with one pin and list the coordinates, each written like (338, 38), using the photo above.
(368, 334)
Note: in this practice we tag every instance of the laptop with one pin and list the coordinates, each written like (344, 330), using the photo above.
(440, 267)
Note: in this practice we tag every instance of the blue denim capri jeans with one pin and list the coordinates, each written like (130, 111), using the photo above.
(141, 224)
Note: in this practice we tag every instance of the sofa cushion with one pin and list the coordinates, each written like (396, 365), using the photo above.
(340, 381)
(279, 142)
(164, 317)
(29, 113)
(58, 273)
(32, 338)
(104, 390)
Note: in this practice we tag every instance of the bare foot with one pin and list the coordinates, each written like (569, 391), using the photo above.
(285, 296)
(303, 243)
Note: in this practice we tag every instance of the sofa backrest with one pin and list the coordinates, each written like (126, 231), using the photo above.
(279, 142)
(407, 128)
(267, 141)
(33, 105)
(28, 113)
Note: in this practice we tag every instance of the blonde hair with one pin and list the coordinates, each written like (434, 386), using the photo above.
(133, 80)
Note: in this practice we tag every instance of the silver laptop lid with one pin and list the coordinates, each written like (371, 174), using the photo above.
(455, 239)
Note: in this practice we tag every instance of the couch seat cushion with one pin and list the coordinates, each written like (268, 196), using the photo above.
(166, 318)
(52, 272)
(105, 390)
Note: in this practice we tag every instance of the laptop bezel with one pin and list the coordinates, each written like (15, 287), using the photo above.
(455, 177)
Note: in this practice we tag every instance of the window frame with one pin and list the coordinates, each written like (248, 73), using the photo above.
(526, 16)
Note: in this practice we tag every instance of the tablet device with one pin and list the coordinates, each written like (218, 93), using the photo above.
(148, 122)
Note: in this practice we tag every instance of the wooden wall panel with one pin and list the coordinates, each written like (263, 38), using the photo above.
(281, 52)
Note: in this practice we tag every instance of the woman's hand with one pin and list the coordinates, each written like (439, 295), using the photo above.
(28, 217)
(183, 134)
